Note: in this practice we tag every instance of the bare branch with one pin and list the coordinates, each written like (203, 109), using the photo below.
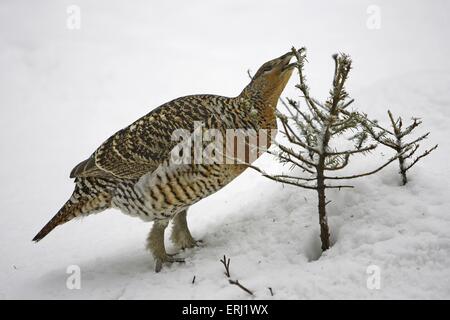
(345, 105)
(307, 119)
(344, 122)
(341, 166)
(286, 106)
(295, 178)
(417, 140)
(288, 159)
(296, 139)
(299, 54)
(226, 264)
(368, 124)
(367, 173)
(281, 180)
(349, 152)
(337, 187)
(236, 282)
(394, 123)
(413, 150)
(410, 128)
(427, 152)
(388, 143)
(295, 155)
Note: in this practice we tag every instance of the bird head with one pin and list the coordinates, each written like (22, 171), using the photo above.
(271, 78)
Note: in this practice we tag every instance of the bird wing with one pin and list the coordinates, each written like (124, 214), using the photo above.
(140, 148)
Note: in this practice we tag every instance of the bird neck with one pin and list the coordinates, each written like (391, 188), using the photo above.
(264, 99)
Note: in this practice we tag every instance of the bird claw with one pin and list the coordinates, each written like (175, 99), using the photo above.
(169, 258)
(172, 254)
(192, 244)
(199, 243)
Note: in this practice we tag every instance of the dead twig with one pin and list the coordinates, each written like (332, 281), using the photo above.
(236, 282)
(226, 264)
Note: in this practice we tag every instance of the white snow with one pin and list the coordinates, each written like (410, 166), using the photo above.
(62, 92)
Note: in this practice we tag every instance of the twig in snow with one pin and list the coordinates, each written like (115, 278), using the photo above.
(395, 140)
(226, 264)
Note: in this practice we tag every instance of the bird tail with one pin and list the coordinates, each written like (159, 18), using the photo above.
(79, 204)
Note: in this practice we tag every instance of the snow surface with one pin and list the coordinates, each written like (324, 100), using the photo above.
(62, 92)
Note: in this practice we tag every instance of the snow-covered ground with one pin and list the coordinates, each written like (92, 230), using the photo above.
(62, 92)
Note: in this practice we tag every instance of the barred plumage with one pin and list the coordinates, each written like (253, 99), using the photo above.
(132, 170)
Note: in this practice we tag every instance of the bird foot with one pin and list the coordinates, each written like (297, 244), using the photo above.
(192, 243)
(186, 241)
(181, 236)
(168, 259)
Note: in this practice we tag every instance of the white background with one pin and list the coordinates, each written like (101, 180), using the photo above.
(63, 92)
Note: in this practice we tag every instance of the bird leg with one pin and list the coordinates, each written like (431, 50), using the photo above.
(155, 243)
(181, 235)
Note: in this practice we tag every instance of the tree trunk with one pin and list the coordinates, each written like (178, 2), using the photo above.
(323, 221)
(399, 149)
(401, 162)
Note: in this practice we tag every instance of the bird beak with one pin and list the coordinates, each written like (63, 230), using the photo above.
(285, 59)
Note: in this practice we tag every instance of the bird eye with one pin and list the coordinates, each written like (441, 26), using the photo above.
(267, 68)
